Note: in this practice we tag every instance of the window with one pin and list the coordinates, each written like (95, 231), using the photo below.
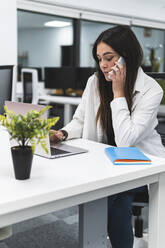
(40, 45)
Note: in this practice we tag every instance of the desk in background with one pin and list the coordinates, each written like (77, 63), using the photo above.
(85, 180)
(68, 101)
(19, 89)
(43, 94)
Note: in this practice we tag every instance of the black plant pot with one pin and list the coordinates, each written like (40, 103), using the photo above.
(22, 161)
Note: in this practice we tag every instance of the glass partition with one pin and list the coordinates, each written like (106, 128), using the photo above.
(40, 45)
(152, 42)
(89, 33)
(43, 40)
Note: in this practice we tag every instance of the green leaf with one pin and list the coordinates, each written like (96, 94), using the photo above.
(30, 128)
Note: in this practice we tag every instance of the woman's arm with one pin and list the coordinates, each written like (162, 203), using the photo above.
(130, 129)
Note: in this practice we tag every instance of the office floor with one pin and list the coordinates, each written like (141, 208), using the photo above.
(55, 230)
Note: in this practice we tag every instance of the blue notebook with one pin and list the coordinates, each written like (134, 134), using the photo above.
(126, 155)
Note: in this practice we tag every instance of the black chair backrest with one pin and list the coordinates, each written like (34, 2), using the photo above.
(27, 87)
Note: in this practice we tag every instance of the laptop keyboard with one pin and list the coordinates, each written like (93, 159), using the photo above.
(55, 151)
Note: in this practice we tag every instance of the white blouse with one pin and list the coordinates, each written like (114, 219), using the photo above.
(137, 129)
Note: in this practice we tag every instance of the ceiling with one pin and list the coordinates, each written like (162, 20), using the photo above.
(148, 9)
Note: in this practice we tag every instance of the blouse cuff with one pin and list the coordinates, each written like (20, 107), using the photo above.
(65, 134)
(119, 103)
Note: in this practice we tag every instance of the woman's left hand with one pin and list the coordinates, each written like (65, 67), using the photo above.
(118, 79)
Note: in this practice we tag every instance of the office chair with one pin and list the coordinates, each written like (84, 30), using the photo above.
(141, 198)
(29, 79)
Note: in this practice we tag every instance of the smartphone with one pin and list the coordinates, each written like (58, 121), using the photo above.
(121, 61)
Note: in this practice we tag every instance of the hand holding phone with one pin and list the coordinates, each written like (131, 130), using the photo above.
(121, 61)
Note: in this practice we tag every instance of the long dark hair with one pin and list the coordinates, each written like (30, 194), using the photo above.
(122, 40)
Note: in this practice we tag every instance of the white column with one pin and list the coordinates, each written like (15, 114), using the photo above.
(157, 213)
(8, 32)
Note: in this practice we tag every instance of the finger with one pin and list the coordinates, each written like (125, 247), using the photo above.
(124, 72)
(52, 132)
(110, 74)
(116, 70)
(122, 69)
(59, 135)
(55, 136)
(118, 65)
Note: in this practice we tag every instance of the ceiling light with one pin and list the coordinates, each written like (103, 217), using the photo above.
(57, 24)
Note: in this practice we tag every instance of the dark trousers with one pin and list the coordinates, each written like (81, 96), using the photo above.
(120, 220)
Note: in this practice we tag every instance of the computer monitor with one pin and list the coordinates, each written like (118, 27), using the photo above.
(60, 77)
(6, 85)
(82, 75)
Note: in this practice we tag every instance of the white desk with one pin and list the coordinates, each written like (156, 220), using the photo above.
(68, 101)
(81, 179)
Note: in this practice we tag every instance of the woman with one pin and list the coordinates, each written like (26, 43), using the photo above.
(120, 110)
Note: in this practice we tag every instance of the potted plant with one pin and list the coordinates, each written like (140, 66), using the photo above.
(28, 131)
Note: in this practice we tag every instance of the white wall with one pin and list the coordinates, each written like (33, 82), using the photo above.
(8, 32)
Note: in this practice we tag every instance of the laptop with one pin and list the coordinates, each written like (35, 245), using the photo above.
(54, 151)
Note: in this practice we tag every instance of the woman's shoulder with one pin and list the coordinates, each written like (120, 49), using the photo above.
(93, 77)
(151, 83)
(92, 81)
